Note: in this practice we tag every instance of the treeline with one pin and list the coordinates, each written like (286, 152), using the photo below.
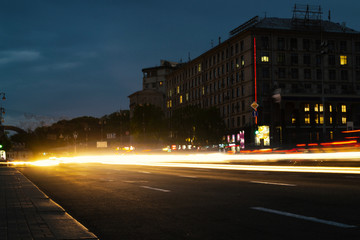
(147, 127)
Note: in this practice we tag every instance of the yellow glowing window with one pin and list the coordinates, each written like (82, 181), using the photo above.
(343, 120)
(167, 104)
(321, 108)
(343, 108)
(203, 90)
(343, 60)
(317, 118)
(187, 96)
(321, 119)
(242, 62)
(331, 135)
(265, 58)
(293, 120)
(306, 107)
(181, 99)
(316, 107)
(170, 93)
(330, 108)
(170, 104)
(307, 118)
(331, 120)
(160, 83)
(199, 67)
(178, 89)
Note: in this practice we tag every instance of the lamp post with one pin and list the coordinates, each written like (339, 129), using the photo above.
(102, 122)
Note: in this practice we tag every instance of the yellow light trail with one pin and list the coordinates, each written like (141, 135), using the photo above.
(211, 161)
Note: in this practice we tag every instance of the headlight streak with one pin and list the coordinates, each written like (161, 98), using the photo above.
(211, 161)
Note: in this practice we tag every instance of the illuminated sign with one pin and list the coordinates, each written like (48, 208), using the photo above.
(262, 136)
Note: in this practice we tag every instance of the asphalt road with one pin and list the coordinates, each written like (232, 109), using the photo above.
(138, 202)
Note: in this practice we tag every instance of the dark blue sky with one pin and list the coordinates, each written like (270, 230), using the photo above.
(70, 58)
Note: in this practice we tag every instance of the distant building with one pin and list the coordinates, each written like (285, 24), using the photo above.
(154, 89)
(299, 76)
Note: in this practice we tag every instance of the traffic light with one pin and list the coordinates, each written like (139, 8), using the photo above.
(1, 146)
(256, 132)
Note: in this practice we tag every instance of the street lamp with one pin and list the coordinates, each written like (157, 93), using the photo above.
(102, 122)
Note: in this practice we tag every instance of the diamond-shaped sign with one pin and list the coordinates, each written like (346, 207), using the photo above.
(254, 105)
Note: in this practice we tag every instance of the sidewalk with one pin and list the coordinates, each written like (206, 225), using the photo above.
(27, 213)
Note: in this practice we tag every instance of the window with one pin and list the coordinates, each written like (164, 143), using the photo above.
(344, 75)
(318, 74)
(265, 42)
(307, 73)
(343, 46)
(282, 72)
(178, 89)
(199, 67)
(357, 61)
(343, 60)
(294, 58)
(343, 120)
(306, 44)
(281, 58)
(160, 83)
(330, 108)
(242, 61)
(343, 108)
(266, 72)
(307, 59)
(318, 59)
(331, 59)
(307, 118)
(332, 75)
(330, 120)
(294, 73)
(306, 107)
(281, 43)
(293, 119)
(181, 99)
(265, 57)
(293, 43)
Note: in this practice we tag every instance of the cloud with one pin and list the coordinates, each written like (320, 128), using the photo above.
(18, 56)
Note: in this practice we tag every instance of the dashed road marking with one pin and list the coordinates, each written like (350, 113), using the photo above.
(156, 189)
(274, 183)
(144, 172)
(312, 219)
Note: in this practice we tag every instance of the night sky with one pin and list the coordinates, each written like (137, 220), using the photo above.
(69, 58)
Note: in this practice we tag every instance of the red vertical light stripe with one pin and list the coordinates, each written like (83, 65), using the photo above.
(255, 76)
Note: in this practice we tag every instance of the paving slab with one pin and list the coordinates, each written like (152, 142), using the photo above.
(28, 213)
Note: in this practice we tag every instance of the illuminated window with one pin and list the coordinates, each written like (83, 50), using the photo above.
(317, 118)
(199, 67)
(307, 118)
(170, 93)
(203, 90)
(343, 119)
(187, 96)
(178, 89)
(321, 108)
(330, 108)
(181, 99)
(331, 135)
(316, 107)
(265, 58)
(306, 107)
(343, 108)
(330, 120)
(293, 119)
(321, 119)
(242, 61)
(170, 104)
(343, 60)
(160, 83)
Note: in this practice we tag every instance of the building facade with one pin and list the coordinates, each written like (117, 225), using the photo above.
(153, 91)
(299, 76)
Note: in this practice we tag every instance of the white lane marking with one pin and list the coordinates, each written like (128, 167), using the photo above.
(187, 176)
(140, 181)
(144, 172)
(274, 183)
(313, 219)
(156, 189)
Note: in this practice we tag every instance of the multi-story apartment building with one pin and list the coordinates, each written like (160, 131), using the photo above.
(153, 91)
(299, 76)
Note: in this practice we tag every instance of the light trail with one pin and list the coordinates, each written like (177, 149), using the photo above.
(211, 161)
